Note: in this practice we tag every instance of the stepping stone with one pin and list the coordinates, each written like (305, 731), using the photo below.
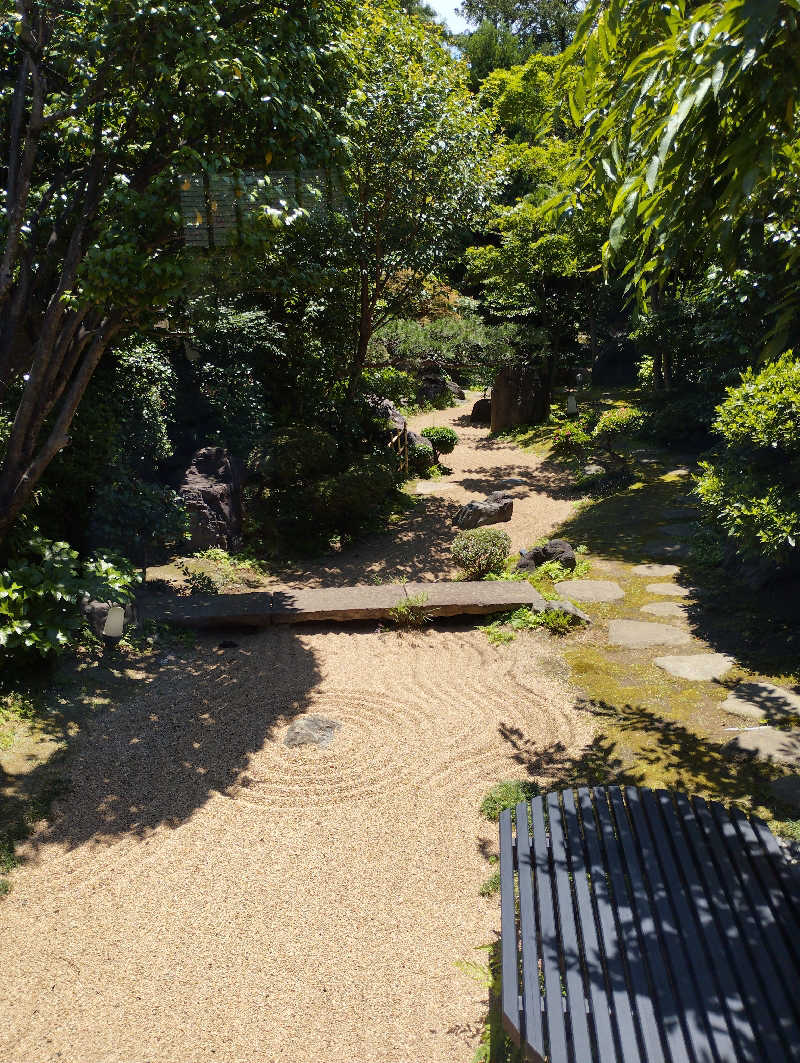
(666, 548)
(667, 588)
(367, 602)
(477, 597)
(656, 570)
(434, 487)
(787, 790)
(637, 634)
(678, 513)
(311, 731)
(769, 743)
(668, 609)
(697, 666)
(762, 701)
(678, 530)
(590, 590)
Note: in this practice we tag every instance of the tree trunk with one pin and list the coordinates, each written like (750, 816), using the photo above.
(658, 371)
(63, 370)
(364, 336)
(666, 366)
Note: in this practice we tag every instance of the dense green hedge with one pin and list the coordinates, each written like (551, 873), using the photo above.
(751, 485)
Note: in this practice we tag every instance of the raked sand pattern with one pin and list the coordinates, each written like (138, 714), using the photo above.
(207, 893)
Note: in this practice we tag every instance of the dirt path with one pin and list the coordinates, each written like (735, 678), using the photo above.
(418, 548)
(206, 893)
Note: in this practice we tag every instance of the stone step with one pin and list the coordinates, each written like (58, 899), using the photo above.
(361, 602)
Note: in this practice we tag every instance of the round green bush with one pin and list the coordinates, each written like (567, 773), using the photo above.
(570, 439)
(420, 459)
(293, 455)
(443, 440)
(479, 551)
(622, 421)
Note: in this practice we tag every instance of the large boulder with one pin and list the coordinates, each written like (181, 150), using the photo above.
(554, 550)
(211, 490)
(385, 408)
(496, 508)
(481, 411)
(519, 396)
(435, 384)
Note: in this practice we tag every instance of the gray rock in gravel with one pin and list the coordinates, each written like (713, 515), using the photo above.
(671, 589)
(656, 570)
(311, 731)
(555, 550)
(770, 744)
(638, 634)
(762, 701)
(671, 610)
(496, 508)
(590, 590)
(697, 666)
(568, 607)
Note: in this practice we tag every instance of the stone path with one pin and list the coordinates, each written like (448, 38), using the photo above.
(637, 634)
(669, 609)
(698, 666)
(590, 590)
(365, 602)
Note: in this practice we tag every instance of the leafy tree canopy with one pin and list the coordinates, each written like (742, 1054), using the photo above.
(691, 133)
(418, 175)
(108, 104)
(540, 25)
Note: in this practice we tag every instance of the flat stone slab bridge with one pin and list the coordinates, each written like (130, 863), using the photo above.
(362, 602)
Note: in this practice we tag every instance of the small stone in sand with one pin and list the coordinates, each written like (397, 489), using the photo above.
(311, 731)
(667, 588)
(762, 701)
(696, 666)
(590, 590)
(668, 609)
(636, 634)
(656, 570)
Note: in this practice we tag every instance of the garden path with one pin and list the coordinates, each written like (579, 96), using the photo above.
(205, 892)
(417, 546)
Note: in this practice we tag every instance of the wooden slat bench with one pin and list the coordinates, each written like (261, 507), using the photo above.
(645, 927)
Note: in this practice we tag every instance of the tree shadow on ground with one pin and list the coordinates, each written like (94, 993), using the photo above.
(156, 756)
(761, 630)
(410, 549)
(664, 754)
(548, 478)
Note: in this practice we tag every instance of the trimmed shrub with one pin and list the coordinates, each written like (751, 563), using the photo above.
(751, 486)
(622, 422)
(420, 459)
(443, 440)
(570, 440)
(479, 551)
